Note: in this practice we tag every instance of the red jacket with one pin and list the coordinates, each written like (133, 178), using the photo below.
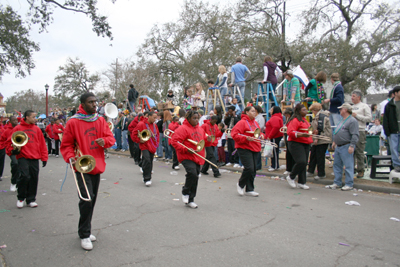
(134, 123)
(57, 129)
(211, 130)
(7, 132)
(152, 144)
(273, 126)
(294, 126)
(35, 148)
(50, 130)
(244, 125)
(182, 134)
(84, 134)
(172, 126)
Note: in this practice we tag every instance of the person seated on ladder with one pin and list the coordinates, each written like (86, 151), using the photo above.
(238, 77)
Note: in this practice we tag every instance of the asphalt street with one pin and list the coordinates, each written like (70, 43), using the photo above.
(150, 226)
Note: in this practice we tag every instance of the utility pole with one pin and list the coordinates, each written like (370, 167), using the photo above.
(116, 78)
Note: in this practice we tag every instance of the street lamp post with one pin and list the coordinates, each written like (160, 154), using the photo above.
(47, 100)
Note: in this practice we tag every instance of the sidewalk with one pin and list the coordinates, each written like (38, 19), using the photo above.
(364, 184)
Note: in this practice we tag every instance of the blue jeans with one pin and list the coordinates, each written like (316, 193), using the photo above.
(223, 92)
(118, 138)
(125, 140)
(335, 118)
(167, 149)
(394, 148)
(132, 105)
(159, 151)
(242, 86)
(342, 157)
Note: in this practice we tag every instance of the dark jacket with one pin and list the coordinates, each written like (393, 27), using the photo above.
(132, 95)
(337, 99)
(390, 124)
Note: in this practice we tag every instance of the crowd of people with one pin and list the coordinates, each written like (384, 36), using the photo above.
(199, 136)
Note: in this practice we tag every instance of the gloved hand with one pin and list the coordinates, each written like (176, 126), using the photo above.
(44, 163)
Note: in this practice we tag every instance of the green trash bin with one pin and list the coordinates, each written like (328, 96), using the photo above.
(371, 146)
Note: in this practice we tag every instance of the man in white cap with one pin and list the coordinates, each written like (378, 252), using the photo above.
(345, 138)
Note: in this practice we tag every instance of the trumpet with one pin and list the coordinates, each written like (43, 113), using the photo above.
(83, 164)
(19, 139)
(212, 138)
(199, 146)
(144, 135)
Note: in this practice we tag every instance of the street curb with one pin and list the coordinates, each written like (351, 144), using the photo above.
(388, 190)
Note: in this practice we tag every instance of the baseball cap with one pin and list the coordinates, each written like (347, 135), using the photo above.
(346, 106)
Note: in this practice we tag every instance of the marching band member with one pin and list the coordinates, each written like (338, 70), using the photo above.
(148, 147)
(14, 162)
(173, 126)
(299, 145)
(248, 149)
(189, 130)
(210, 127)
(57, 129)
(91, 133)
(28, 159)
(50, 136)
(131, 127)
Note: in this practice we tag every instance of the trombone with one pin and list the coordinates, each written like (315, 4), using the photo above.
(199, 146)
(144, 135)
(83, 164)
(256, 135)
(212, 138)
(309, 131)
(19, 139)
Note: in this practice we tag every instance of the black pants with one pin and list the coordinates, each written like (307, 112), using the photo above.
(289, 158)
(249, 161)
(28, 182)
(136, 152)
(192, 179)
(301, 159)
(146, 164)
(85, 207)
(14, 169)
(231, 148)
(211, 157)
(49, 147)
(317, 159)
(175, 161)
(275, 155)
(131, 146)
(2, 160)
(57, 150)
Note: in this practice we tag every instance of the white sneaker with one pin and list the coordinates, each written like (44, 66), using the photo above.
(309, 174)
(192, 205)
(286, 173)
(240, 190)
(13, 187)
(271, 169)
(141, 170)
(185, 199)
(176, 168)
(56, 156)
(228, 164)
(252, 194)
(20, 204)
(148, 183)
(122, 150)
(33, 204)
(236, 165)
(92, 238)
(332, 186)
(319, 177)
(86, 244)
(303, 186)
(347, 188)
(291, 182)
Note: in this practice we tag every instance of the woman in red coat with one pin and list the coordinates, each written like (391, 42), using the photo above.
(299, 145)
(248, 149)
(273, 134)
(190, 129)
(57, 129)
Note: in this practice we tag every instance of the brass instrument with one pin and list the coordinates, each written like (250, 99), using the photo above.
(309, 131)
(283, 129)
(60, 135)
(83, 164)
(111, 112)
(199, 146)
(144, 135)
(19, 139)
(256, 132)
(212, 138)
(110, 125)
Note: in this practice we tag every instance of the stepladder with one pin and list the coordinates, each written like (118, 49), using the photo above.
(266, 91)
(212, 94)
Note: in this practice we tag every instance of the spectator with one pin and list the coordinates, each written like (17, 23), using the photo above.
(118, 130)
(270, 72)
(238, 110)
(125, 133)
(239, 77)
(376, 129)
(173, 126)
(171, 97)
(345, 138)
(315, 89)
(336, 99)
(114, 101)
(188, 101)
(391, 126)
(384, 102)
(166, 121)
(362, 113)
(132, 97)
(182, 114)
(375, 113)
(321, 126)
(218, 113)
(221, 82)
(202, 117)
(291, 88)
(159, 122)
(274, 135)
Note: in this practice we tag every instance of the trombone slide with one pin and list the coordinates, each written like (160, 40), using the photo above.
(88, 199)
(194, 152)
